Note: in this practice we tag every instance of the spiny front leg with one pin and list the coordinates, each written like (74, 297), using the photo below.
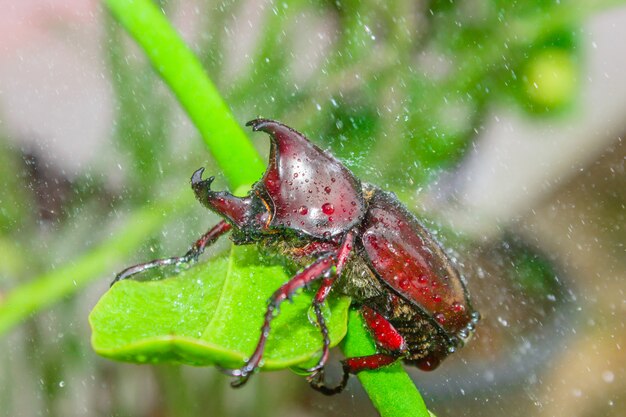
(191, 256)
(316, 270)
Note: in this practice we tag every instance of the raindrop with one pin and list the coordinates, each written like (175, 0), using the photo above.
(475, 317)
(608, 376)
(328, 209)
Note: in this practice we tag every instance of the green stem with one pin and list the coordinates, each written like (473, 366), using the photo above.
(53, 286)
(391, 390)
(184, 74)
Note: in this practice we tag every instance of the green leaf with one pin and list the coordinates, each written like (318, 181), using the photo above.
(211, 314)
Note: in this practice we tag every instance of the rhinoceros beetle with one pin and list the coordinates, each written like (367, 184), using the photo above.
(352, 238)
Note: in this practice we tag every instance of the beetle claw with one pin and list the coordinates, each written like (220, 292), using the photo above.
(241, 375)
(317, 382)
(240, 381)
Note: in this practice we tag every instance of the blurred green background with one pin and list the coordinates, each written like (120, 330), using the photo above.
(95, 156)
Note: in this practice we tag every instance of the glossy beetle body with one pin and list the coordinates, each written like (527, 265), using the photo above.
(349, 236)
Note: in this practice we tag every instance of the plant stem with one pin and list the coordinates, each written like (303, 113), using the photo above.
(391, 390)
(184, 74)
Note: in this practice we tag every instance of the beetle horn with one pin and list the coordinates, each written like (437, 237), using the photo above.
(257, 124)
(235, 209)
(299, 174)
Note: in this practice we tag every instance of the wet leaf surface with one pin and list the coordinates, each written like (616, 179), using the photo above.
(211, 314)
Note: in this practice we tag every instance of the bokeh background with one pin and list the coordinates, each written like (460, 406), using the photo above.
(500, 122)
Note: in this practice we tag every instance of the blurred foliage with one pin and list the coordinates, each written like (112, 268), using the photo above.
(13, 195)
(398, 92)
(141, 134)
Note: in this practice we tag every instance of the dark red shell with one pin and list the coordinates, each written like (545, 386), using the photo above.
(406, 257)
(413, 300)
(309, 190)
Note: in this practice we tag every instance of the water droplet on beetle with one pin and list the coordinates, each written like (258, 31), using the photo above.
(440, 317)
(328, 209)
(404, 283)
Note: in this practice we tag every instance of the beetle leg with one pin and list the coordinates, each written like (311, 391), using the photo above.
(343, 254)
(191, 256)
(325, 337)
(314, 271)
(386, 337)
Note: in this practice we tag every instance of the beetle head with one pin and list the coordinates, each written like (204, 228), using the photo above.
(307, 189)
